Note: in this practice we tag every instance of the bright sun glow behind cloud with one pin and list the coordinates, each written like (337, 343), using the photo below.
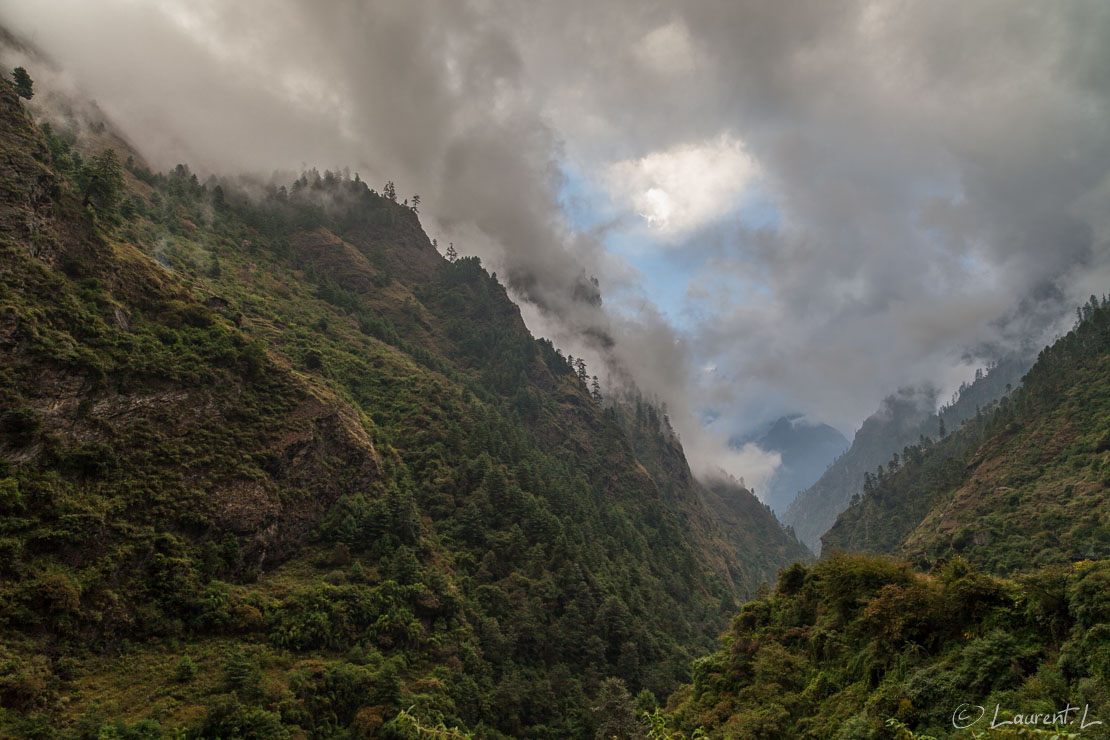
(683, 187)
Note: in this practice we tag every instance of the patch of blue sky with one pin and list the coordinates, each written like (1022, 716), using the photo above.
(586, 206)
(669, 267)
(759, 211)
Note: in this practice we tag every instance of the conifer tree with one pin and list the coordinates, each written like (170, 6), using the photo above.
(23, 84)
(102, 181)
(615, 710)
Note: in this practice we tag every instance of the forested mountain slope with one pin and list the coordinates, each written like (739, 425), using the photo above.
(898, 495)
(1026, 483)
(904, 418)
(858, 647)
(272, 467)
(997, 603)
(719, 509)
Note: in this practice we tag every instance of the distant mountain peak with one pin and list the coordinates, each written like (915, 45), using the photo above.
(806, 449)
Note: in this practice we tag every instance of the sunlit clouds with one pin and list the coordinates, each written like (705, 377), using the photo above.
(684, 187)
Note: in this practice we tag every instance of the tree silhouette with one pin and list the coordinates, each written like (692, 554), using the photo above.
(580, 366)
(102, 181)
(23, 83)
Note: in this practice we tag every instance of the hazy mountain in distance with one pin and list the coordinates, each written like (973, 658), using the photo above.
(807, 450)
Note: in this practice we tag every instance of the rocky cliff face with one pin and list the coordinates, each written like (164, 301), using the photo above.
(77, 309)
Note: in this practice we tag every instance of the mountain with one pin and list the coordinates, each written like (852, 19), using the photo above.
(897, 423)
(752, 557)
(1023, 484)
(895, 499)
(860, 647)
(904, 418)
(270, 466)
(806, 451)
(993, 608)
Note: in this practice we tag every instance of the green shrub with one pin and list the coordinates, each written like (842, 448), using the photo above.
(22, 425)
(243, 675)
(333, 694)
(185, 670)
(26, 681)
(228, 719)
(11, 501)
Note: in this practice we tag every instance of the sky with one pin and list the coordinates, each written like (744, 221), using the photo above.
(789, 207)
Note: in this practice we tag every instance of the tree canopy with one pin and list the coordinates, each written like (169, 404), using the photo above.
(23, 83)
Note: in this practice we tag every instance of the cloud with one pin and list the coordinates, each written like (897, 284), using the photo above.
(668, 50)
(758, 466)
(684, 187)
(935, 184)
(938, 170)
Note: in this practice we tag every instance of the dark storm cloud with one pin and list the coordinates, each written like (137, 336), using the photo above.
(939, 170)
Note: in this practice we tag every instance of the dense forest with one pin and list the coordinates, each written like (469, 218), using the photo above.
(859, 647)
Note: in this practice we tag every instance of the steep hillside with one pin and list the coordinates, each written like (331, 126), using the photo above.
(719, 510)
(272, 467)
(900, 494)
(1026, 484)
(860, 648)
(905, 418)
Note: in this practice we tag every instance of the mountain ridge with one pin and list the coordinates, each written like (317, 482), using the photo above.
(904, 418)
(972, 572)
(1021, 482)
